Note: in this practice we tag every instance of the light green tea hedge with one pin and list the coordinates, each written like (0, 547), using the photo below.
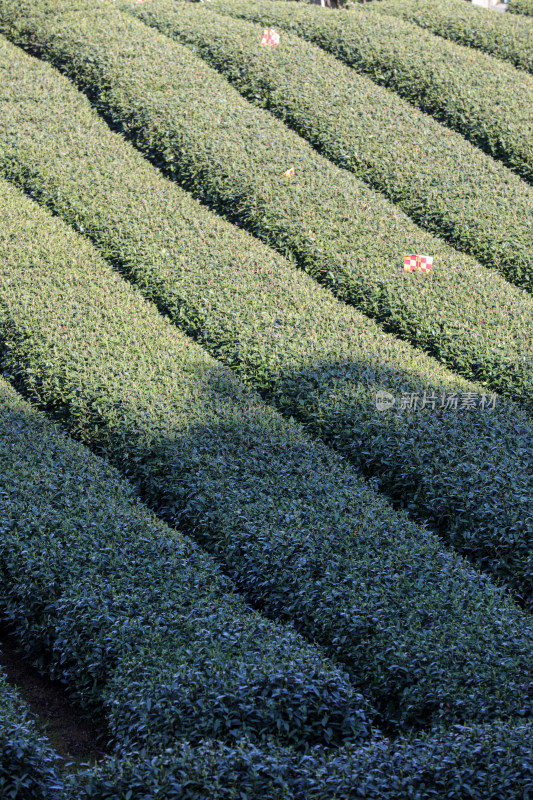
(312, 356)
(440, 180)
(147, 86)
(136, 619)
(507, 37)
(29, 768)
(486, 101)
(423, 634)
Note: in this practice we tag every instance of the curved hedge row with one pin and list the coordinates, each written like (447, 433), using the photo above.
(136, 618)
(486, 101)
(475, 762)
(486, 761)
(29, 768)
(508, 38)
(315, 358)
(521, 7)
(341, 232)
(423, 634)
(443, 182)
(490, 760)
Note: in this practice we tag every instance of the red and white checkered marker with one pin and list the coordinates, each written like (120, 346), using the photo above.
(270, 38)
(413, 262)
(425, 263)
(409, 263)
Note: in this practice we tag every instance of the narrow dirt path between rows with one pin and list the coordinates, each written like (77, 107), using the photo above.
(71, 734)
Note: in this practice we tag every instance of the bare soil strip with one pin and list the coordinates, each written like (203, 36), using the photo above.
(74, 737)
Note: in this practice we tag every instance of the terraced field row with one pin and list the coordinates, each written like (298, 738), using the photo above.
(103, 620)
(509, 37)
(419, 631)
(493, 758)
(466, 469)
(438, 178)
(364, 625)
(326, 219)
(488, 102)
(29, 768)
(146, 626)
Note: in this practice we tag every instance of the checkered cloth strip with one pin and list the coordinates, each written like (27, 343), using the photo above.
(270, 38)
(409, 263)
(423, 263)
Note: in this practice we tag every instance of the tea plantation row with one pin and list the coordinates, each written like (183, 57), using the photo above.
(421, 633)
(201, 695)
(138, 619)
(487, 101)
(325, 218)
(480, 759)
(442, 181)
(509, 38)
(468, 762)
(467, 470)
(96, 516)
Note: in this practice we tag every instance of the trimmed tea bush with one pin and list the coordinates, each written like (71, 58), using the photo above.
(475, 762)
(136, 619)
(509, 37)
(424, 635)
(211, 770)
(486, 101)
(240, 171)
(440, 180)
(29, 768)
(467, 471)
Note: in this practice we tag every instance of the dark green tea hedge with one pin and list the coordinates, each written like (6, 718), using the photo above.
(315, 358)
(442, 181)
(486, 101)
(492, 760)
(422, 633)
(209, 771)
(136, 618)
(341, 232)
(521, 7)
(475, 762)
(507, 37)
(29, 768)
